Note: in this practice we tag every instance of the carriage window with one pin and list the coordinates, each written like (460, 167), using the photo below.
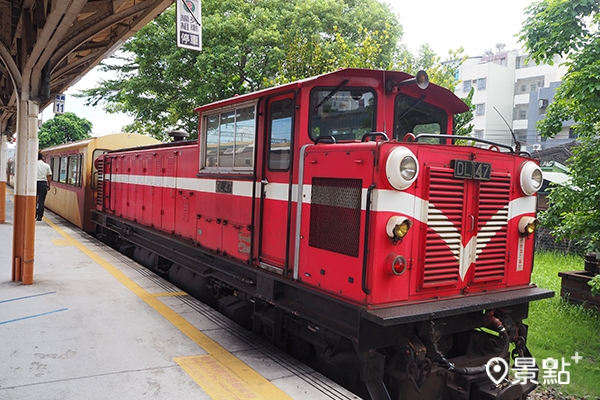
(63, 170)
(280, 134)
(413, 115)
(55, 166)
(73, 175)
(345, 114)
(229, 139)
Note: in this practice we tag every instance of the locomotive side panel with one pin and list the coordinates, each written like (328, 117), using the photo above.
(186, 202)
(333, 218)
(169, 192)
(149, 190)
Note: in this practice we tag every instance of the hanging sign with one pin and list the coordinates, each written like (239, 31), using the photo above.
(189, 26)
(59, 104)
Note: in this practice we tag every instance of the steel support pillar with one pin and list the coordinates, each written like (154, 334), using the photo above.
(25, 192)
(3, 161)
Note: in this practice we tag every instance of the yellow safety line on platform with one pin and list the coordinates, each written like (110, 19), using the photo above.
(167, 294)
(60, 242)
(215, 378)
(254, 385)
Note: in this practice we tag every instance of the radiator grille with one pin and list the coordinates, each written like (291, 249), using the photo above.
(335, 215)
(445, 215)
(494, 196)
(446, 221)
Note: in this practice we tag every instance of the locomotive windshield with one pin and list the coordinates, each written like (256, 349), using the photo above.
(343, 114)
(413, 115)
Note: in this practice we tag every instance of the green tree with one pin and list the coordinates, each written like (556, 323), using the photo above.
(574, 209)
(463, 123)
(569, 28)
(63, 128)
(440, 72)
(247, 46)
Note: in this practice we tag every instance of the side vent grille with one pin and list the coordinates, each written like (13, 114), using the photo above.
(100, 182)
(335, 215)
(444, 219)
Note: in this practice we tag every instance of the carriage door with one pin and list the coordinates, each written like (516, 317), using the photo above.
(275, 184)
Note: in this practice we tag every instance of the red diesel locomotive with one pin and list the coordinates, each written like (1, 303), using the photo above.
(337, 218)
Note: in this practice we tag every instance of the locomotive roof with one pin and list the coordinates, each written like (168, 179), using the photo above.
(442, 94)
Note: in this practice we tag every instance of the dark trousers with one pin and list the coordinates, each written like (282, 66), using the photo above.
(42, 190)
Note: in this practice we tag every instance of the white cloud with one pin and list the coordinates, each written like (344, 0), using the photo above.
(476, 25)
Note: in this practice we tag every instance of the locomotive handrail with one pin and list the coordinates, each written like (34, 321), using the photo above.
(327, 139)
(524, 153)
(455, 137)
(374, 134)
(366, 241)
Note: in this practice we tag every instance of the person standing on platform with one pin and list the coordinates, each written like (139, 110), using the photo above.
(44, 177)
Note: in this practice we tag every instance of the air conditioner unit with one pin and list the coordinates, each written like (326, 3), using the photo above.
(542, 103)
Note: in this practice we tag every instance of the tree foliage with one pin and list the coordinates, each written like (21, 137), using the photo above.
(463, 123)
(440, 73)
(574, 210)
(247, 46)
(569, 28)
(63, 128)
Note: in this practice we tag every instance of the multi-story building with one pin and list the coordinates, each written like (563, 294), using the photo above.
(512, 91)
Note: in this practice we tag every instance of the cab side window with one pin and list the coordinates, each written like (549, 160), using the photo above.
(280, 134)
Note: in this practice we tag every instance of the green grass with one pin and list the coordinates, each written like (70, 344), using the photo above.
(558, 329)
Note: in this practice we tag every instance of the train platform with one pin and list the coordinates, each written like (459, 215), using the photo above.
(96, 325)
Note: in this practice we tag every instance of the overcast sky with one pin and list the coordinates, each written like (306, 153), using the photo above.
(476, 25)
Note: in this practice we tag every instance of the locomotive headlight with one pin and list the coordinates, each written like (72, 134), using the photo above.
(408, 168)
(397, 227)
(402, 168)
(528, 225)
(531, 178)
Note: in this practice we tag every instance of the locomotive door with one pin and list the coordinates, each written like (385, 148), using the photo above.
(275, 186)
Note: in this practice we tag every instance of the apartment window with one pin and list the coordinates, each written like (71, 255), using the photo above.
(533, 87)
(467, 86)
(478, 133)
(481, 83)
(572, 133)
(480, 109)
(522, 114)
(523, 88)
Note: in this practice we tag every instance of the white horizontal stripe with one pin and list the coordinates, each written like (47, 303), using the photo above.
(395, 201)
(383, 200)
(522, 205)
(196, 185)
(277, 191)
